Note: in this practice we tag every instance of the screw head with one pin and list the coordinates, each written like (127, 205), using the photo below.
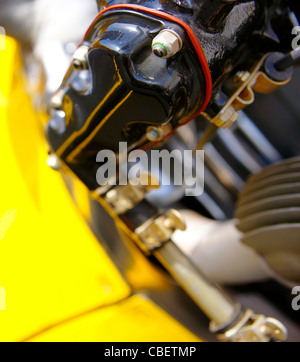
(160, 50)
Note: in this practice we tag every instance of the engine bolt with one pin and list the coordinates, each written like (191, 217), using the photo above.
(166, 44)
(80, 61)
(154, 134)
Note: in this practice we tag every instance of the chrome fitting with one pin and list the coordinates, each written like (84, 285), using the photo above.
(123, 198)
(253, 328)
(58, 122)
(166, 44)
(157, 231)
(80, 61)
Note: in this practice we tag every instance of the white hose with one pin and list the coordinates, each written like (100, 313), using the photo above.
(216, 249)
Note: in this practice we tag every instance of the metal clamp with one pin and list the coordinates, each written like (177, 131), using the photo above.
(158, 231)
(245, 82)
(253, 328)
(123, 198)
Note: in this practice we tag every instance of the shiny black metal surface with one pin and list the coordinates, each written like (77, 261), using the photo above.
(130, 89)
(221, 27)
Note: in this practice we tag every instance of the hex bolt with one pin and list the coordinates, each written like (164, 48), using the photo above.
(80, 61)
(166, 44)
(154, 134)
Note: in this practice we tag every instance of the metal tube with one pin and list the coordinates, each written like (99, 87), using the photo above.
(291, 59)
(212, 300)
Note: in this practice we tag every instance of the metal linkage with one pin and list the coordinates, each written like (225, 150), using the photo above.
(253, 328)
(154, 236)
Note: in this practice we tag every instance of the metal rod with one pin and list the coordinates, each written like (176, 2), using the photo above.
(206, 136)
(288, 61)
(209, 297)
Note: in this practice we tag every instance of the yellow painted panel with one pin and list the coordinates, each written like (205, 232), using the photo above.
(51, 265)
(135, 320)
(8, 60)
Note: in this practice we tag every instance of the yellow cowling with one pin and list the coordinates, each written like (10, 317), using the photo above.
(60, 284)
